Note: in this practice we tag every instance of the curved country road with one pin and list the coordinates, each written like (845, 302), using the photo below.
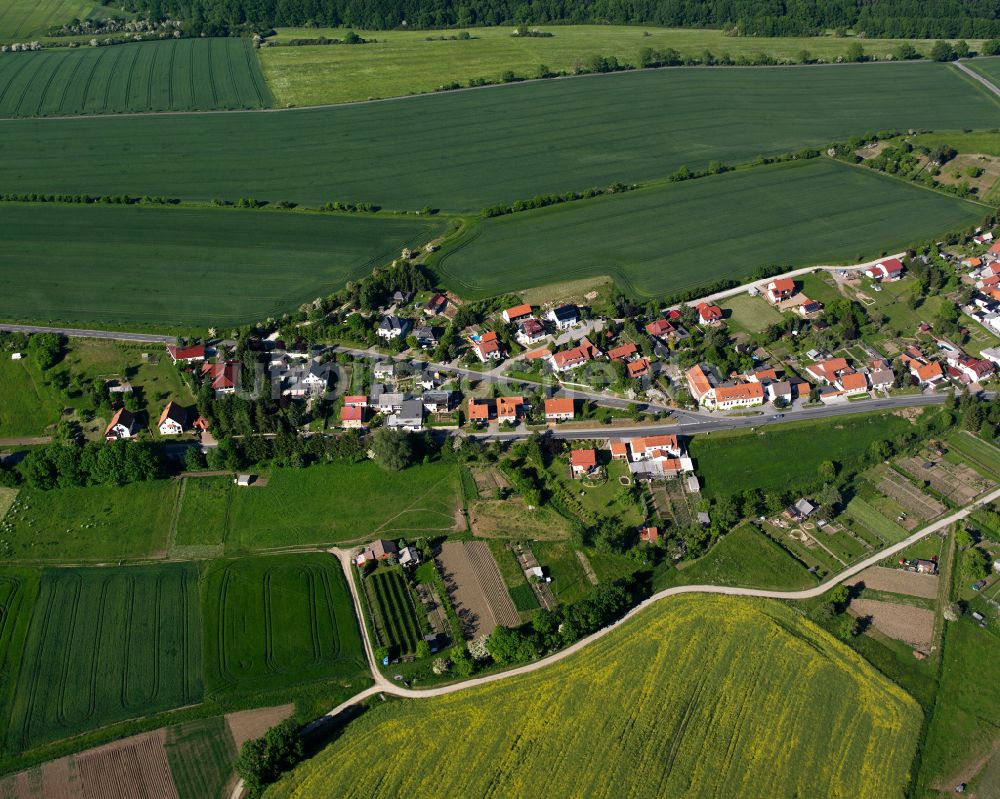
(384, 685)
(387, 686)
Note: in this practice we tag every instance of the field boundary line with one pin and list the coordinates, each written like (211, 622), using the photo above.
(175, 519)
(498, 87)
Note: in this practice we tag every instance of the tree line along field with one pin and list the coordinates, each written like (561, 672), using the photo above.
(171, 75)
(22, 19)
(668, 238)
(401, 62)
(700, 697)
(184, 266)
(278, 621)
(105, 645)
(548, 136)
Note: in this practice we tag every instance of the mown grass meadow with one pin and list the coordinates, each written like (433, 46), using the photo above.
(106, 645)
(277, 622)
(668, 238)
(740, 460)
(550, 136)
(96, 523)
(343, 502)
(28, 405)
(169, 75)
(744, 557)
(401, 62)
(701, 697)
(112, 264)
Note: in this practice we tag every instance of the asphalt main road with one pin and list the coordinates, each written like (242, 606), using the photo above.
(74, 332)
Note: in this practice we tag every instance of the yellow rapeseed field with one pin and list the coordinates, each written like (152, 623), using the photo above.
(698, 697)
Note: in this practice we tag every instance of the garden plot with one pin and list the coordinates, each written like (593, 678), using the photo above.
(673, 503)
(912, 625)
(956, 481)
(914, 501)
(394, 610)
(899, 581)
(489, 481)
(461, 565)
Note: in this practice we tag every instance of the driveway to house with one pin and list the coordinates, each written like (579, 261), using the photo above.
(385, 685)
(74, 332)
(723, 295)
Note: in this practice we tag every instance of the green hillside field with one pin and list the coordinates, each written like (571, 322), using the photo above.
(400, 62)
(27, 19)
(171, 75)
(664, 239)
(697, 697)
(183, 266)
(106, 645)
(276, 622)
(469, 150)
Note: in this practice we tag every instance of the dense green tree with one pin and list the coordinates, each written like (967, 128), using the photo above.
(393, 449)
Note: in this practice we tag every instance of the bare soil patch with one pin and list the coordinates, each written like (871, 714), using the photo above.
(899, 581)
(246, 725)
(491, 581)
(913, 501)
(958, 482)
(135, 767)
(464, 590)
(914, 626)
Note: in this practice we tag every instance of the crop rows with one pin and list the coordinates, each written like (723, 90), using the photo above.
(699, 697)
(666, 239)
(556, 132)
(276, 621)
(106, 645)
(171, 75)
(494, 588)
(261, 262)
(394, 610)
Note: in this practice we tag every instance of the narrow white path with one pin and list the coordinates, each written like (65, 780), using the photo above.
(382, 684)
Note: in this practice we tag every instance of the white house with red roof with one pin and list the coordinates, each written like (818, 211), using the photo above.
(657, 457)
(572, 358)
(530, 331)
(123, 425)
(223, 376)
(583, 461)
(889, 269)
(559, 409)
(972, 369)
(487, 347)
(516, 314)
(353, 417)
(825, 372)
(190, 354)
(927, 374)
(852, 382)
(779, 290)
(708, 314)
(660, 328)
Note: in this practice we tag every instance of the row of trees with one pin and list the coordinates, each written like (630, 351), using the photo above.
(553, 629)
(887, 19)
(64, 464)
